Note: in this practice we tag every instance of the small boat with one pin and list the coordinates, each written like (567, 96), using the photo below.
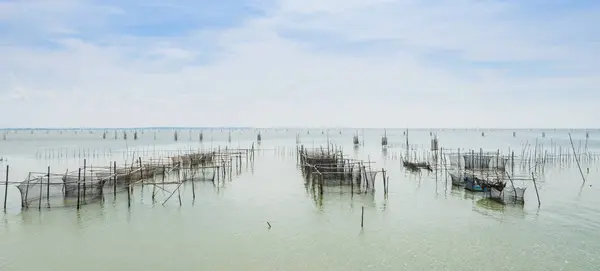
(471, 184)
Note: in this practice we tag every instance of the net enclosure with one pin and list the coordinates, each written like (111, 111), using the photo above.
(48, 189)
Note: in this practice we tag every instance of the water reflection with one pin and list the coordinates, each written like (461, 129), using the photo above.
(343, 197)
(499, 211)
(309, 228)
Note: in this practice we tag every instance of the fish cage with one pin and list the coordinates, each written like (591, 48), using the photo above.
(355, 140)
(508, 194)
(48, 189)
(194, 159)
(480, 160)
(384, 139)
(329, 167)
(83, 184)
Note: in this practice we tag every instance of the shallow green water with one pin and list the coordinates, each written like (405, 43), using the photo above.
(423, 225)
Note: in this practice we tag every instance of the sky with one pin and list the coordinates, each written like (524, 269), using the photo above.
(310, 63)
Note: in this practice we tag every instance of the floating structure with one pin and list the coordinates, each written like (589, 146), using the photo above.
(356, 140)
(384, 139)
(487, 172)
(330, 168)
(87, 183)
(413, 165)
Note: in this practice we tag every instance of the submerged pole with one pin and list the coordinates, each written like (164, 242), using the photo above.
(78, 188)
(362, 217)
(576, 158)
(384, 182)
(41, 184)
(129, 194)
(193, 190)
(536, 190)
(84, 173)
(115, 179)
(6, 188)
(141, 172)
(48, 188)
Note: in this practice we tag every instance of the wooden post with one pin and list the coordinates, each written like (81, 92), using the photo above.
(536, 189)
(180, 183)
(153, 186)
(6, 188)
(78, 188)
(163, 175)
(362, 217)
(576, 159)
(384, 183)
(115, 179)
(512, 163)
(84, 173)
(129, 191)
(24, 202)
(41, 184)
(141, 171)
(48, 188)
(194, 189)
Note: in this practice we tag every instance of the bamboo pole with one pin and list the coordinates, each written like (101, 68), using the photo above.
(536, 189)
(141, 171)
(6, 187)
(84, 173)
(78, 188)
(115, 179)
(362, 217)
(576, 159)
(48, 188)
(384, 182)
(41, 184)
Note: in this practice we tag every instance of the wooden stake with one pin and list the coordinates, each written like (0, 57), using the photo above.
(6, 188)
(536, 190)
(141, 171)
(193, 189)
(48, 188)
(384, 182)
(84, 173)
(577, 159)
(115, 179)
(362, 217)
(78, 188)
(41, 184)
(129, 193)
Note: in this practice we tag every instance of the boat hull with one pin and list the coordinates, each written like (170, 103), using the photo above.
(471, 185)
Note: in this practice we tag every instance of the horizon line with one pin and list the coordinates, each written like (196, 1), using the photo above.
(289, 127)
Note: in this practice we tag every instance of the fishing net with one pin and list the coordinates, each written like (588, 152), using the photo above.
(44, 190)
(84, 185)
(482, 161)
(39, 189)
(509, 194)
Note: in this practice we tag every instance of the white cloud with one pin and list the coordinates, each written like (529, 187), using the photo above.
(252, 75)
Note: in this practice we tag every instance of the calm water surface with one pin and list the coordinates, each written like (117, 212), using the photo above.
(424, 224)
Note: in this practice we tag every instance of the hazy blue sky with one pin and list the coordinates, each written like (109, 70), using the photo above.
(367, 63)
